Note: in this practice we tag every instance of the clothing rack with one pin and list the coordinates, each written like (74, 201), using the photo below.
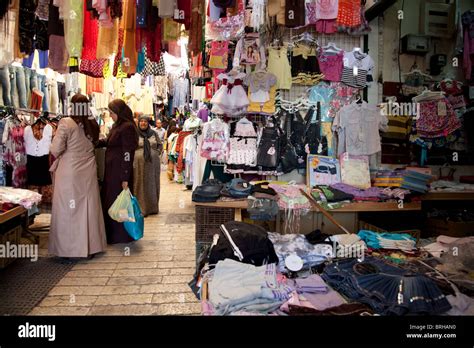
(12, 108)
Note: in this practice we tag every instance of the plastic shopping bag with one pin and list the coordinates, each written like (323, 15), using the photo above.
(122, 209)
(135, 229)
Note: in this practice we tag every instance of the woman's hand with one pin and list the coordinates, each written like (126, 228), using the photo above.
(125, 185)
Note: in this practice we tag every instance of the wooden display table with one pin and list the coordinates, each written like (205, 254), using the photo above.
(349, 207)
(210, 215)
(12, 213)
(11, 231)
(448, 196)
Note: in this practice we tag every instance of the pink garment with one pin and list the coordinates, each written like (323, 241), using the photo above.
(326, 9)
(15, 155)
(468, 53)
(296, 300)
(326, 26)
(331, 65)
(207, 308)
(431, 124)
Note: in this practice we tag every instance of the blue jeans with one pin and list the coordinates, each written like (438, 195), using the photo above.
(6, 87)
(31, 81)
(18, 85)
(43, 87)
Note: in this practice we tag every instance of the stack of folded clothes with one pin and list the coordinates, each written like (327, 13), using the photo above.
(388, 178)
(371, 194)
(415, 181)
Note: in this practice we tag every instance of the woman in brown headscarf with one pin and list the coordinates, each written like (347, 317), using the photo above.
(121, 145)
(77, 222)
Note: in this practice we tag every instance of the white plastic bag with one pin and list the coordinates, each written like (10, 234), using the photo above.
(122, 209)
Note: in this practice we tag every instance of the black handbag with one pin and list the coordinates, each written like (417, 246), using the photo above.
(269, 148)
(317, 144)
(209, 191)
(293, 155)
(288, 155)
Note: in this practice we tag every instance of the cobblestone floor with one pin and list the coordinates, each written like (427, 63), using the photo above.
(152, 280)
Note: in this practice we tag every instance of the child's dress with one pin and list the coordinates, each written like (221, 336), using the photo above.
(231, 97)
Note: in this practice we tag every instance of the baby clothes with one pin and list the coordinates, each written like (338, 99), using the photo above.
(331, 65)
(260, 84)
(243, 144)
(279, 65)
(231, 97)
(322, 93)
(358, 69)
(215, 142)
(343, 95)
(219, 55)
(437, 119)
(267, 107)
(304, 60)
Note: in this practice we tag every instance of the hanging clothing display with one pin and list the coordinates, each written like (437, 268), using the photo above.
(358, 128)
(231, 97)
(37, 144)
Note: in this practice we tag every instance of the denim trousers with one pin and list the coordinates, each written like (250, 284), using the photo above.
(6, 87)
(381, 289)
(31, 80)
(43, 87)
(18, 86)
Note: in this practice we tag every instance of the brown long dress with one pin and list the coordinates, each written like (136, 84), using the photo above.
(146, 176)
(77, 223)
(121, 145)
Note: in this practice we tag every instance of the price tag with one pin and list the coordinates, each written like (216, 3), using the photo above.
(271, 151)
(355, 71)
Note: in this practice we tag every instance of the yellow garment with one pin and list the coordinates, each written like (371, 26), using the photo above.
(307, 79)
(128, 24)
(106, 71)
(279, 66)
(170, 30)
(268, 107)
(107, 42)
(73, 23)
(218, 62)
(304, 50)
(326, 130)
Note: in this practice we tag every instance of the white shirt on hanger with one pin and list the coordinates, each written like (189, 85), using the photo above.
(35, 147)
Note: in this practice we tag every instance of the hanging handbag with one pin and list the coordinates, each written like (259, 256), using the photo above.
(315, 143)
(289, 157)
(269, 147)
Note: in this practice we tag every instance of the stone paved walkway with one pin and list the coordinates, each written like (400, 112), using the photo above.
(152, 280)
